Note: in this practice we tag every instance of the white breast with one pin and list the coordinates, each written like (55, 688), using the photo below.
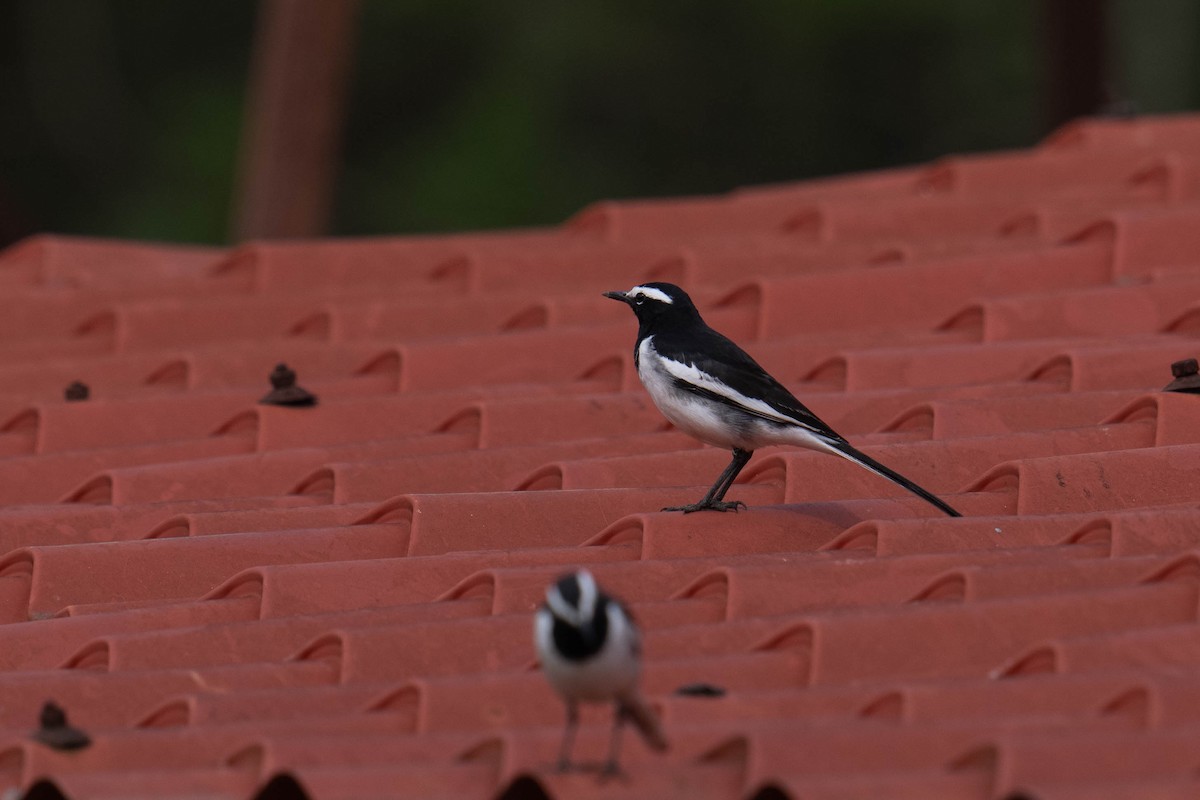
(719, 424)
(610, 673)
(694, 415)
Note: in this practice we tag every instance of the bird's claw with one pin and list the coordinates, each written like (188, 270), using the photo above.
(714, 505)
(612, 770)
(609, 770)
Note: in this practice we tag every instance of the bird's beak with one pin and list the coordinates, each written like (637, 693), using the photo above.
(624, 298)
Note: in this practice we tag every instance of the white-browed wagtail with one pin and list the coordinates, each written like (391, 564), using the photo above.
(711, 389)
(590, 651)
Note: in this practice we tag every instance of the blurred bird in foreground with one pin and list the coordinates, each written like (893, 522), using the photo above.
(590, 652)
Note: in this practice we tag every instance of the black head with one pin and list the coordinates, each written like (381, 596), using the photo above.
(580, 612)
(658, 304)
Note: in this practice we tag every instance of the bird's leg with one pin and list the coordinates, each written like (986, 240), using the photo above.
(740, 459)
(611, 768)
(713, 501)
(568, 740)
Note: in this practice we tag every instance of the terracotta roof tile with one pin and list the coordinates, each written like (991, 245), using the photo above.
(335, 601)
(102, 264)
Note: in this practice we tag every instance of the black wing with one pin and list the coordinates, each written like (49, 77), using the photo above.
(714, 354)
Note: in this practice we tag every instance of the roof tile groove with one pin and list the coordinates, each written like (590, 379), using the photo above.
(236, 600)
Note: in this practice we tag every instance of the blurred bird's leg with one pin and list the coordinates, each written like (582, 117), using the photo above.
(568, 740)
(611, 767)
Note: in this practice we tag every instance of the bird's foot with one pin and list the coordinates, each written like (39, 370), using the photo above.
(609, 770)
(612, 770)
(711, 505)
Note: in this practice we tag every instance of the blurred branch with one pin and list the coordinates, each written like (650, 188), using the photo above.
(1076, 58)
(293, 120)
(15, 223)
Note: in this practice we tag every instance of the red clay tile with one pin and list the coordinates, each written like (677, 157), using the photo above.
(466, 264)
(107, 375)
(835, 651)
(203, 523)
(384, 653)
(268, 474)
(1038, 700)
(1142, 241)
(1107, 133)
(1168, 646)
(1048, 172)
(766, 590)
(1127, 310)
(925, 216)
(1109, 756)
(940, 466)
(1149, 699)
(30, 647)
(766, 529)
(277, 266)
(1037, 485)
(692, 467)
(232, 598)
(493, 469)
(95, 700)
(247, 641)
(822, 302)
(201, 782)
(150, 569)
(894, 181)
(287, 590)
(445, 523)
(93, 424)
(566, 264)
(91, 522)
(1107, 366)
(417, 780)
(46, 478)
(963, 418)
(835, 751)
(85, 263)
(202, 708)
(630, 221)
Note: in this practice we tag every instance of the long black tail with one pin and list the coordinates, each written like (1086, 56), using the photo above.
(845, 450)
(647, 722)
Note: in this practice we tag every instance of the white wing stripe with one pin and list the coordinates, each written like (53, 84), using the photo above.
(700, 379)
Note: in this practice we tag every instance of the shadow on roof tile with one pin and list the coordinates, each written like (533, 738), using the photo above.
(282, 786)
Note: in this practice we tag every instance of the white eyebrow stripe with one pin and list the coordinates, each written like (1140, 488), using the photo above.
(652, 293)
(588, 594)
(561, 608)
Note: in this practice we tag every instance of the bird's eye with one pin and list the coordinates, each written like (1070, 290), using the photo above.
(639, 300)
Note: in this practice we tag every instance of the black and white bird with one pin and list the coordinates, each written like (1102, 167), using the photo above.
(590, 651)
(711, 389)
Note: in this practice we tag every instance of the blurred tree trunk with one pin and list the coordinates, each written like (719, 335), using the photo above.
(1076, 47)
(292, 125)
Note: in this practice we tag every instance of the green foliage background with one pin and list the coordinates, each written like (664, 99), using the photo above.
(121, 117)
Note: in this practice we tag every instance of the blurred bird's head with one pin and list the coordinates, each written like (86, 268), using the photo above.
(579, 608)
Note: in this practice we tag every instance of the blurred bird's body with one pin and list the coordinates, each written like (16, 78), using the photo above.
(590, 652)
(591, 672)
